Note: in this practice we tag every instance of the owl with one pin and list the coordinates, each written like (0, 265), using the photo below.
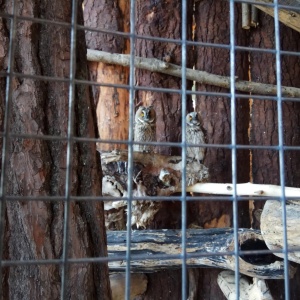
(194, 135)
(145, 128)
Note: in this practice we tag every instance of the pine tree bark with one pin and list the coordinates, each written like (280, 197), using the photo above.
(212, 26)
(37, 167)
(163, 19)
(264, 121)
(112, 102)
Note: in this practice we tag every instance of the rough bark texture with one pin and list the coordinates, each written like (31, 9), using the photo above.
(162, 19)
(38, 167)
(264, 121)
(112, 102)
(212, 26)
(148, 243)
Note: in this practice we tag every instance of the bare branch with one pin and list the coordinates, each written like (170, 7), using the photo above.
(156, 65)
(243, 189)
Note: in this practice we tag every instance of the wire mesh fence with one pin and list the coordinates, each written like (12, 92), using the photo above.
(163, 208)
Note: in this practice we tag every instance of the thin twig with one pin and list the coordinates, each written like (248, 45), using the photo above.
(156, 65)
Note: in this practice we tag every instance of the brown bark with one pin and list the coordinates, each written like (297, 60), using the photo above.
(264, 121)
(162, 19)
(215, 110)
(112, 102)
(212, 26)
(38, 167)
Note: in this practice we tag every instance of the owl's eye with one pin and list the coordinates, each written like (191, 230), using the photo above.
(142, 114)
(190, 117)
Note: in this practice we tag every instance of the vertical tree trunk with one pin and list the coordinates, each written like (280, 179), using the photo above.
(112, 102)
(264, 121)
(163, 19)
(212, 26)
(37, 167)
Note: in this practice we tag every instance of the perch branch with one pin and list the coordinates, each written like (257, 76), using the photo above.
(207, 247)
(243, 189)
(155, 65)
(197, 174)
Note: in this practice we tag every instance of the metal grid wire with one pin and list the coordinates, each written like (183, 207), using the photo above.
(71, 138)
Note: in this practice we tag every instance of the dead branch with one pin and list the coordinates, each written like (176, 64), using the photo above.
(208, 247)
(155, 65)
(243, 189)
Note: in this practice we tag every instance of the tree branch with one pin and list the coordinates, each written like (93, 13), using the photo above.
(156, 65)
(243, 189)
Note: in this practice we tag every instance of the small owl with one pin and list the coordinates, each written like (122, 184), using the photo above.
(145, 128)
(194, 135)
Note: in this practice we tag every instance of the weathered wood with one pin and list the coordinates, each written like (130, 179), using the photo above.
(205, 246)
(289, 17)
(272, 228)
(258, 290)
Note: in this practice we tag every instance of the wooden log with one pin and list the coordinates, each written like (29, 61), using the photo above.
(207, 247)
(272, 227)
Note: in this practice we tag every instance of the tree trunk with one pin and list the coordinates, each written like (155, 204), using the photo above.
(112, 102)
(264, 121)
(37, 167)
(163, 19)
(212, 26)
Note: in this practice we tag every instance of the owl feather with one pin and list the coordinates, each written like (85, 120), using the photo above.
(194, 135)
(145, 128)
